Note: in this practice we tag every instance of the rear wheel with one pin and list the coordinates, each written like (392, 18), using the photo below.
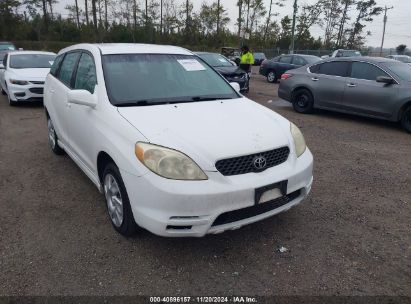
(406, 120)
(118, 204)
(53, 139)
(271, 77)
(303, 101)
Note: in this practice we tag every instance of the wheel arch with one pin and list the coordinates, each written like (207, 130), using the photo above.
(405, 106)
(103, 158)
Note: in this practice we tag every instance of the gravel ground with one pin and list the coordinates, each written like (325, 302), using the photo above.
(350, 237)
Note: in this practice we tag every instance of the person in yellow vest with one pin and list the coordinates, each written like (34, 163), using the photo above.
(246, 59)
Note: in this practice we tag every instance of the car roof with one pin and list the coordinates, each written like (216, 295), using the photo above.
(17, 52)
(201, 53)
(129, 48)
(362, 58)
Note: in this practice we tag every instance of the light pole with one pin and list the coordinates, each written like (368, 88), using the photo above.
(293, 27)
(383, 31)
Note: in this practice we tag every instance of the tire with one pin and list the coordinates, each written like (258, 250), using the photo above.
(272, 77)
(406, 120)
(117, 201)
(53, 139)
(12, 103)
(303, 101)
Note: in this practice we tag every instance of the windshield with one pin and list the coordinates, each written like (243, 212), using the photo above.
(148, 79)
(259, 56)
(215, 60)
(350, 53)
(401, 70)
(31, 61)
(7, 46)
(404, 59)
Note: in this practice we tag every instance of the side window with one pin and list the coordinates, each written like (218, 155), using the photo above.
(334, 68)
(362, 70)
(67, 67)
(56, 64)
(86, 78)
(298, 61)
(285, 59)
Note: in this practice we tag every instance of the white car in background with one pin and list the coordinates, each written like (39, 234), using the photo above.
(172, 145)
(23, 75)
(403, 58)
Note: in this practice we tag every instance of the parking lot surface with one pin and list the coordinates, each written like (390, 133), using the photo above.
(350, 237)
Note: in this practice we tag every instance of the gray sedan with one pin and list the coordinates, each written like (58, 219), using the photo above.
(372, 87)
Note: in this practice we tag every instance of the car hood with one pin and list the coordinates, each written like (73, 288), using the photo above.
(232, 70)
(31, 74)
(211, 130)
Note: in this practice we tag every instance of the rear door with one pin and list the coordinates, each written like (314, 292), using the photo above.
(328, 83)
(59, 90)
(364, 95)
(284, 64)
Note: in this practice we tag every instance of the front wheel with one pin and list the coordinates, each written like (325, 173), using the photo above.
(303, 101)
(271, 77)
(118, 204)
(406, 120)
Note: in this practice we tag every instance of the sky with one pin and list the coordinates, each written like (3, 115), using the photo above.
(398, 29)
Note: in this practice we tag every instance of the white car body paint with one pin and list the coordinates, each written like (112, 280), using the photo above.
(34, 76)
(205, 131)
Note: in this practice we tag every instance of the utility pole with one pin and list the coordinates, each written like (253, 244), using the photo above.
(383, 31)
(293, 27)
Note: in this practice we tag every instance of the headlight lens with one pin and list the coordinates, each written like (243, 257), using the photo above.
(168, 163)
(18, 82)
(299, 140)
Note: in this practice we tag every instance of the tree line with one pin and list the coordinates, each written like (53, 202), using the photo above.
(257, 22)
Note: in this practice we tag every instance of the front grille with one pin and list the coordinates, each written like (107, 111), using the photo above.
(244, 213)
(37, 90)
(245, 164)
(37, 82)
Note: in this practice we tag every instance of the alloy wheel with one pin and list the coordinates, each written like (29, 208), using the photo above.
(113, 199)
(52, 134)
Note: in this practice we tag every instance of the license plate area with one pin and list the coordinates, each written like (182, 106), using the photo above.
(270, 192)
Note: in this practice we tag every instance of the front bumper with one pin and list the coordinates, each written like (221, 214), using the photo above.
(190, 208)
(26, 93)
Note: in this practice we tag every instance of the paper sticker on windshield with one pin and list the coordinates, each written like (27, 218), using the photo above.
(51, 62)
(191, 65)
(222, 59)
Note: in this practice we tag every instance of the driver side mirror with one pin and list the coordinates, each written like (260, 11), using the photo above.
(82, 97)
(385, 79)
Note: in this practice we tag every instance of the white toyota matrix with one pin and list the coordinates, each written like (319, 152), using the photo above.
(172, 145)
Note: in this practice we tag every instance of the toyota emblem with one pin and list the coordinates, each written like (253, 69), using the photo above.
(259, 162)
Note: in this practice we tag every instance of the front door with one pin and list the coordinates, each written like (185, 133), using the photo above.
(364, 95)
(82, 118)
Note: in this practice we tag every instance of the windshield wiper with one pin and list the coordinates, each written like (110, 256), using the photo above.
(200, 98)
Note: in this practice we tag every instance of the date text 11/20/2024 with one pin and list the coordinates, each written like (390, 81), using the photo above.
(233, 299)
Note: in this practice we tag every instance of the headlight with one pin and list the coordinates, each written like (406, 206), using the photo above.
(299, 140)
(168, 163)
(19, 82)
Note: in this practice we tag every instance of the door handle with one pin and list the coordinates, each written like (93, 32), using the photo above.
(314, 79)
(351, 85)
